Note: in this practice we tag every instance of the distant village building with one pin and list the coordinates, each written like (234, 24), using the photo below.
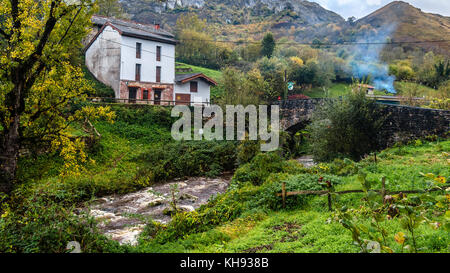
(369, 89)
(138, 62)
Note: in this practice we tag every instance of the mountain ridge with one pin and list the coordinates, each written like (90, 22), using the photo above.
(302, 21)
(411, 24)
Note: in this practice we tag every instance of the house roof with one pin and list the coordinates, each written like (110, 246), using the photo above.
(134, 29)
(366, 86)
(184, 78)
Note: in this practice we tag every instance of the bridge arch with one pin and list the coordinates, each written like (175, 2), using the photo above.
(402, 122)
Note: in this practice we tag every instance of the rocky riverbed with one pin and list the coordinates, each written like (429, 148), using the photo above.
(307, 161)
(123, 217)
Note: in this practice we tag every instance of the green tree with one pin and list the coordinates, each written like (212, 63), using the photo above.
(442, 69)
(273, 72)
(241, 88)
(345, 128)
(402, 70)
(39, 77)
(304, 75)
(268, 45)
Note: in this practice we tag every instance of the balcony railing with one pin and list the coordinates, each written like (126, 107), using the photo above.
(147, 102)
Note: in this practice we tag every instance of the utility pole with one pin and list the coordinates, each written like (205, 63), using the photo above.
(285, 85)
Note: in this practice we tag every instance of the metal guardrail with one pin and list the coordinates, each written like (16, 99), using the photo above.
(147, 102)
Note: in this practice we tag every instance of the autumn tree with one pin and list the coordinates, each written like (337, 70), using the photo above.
(241, 88)
(197, 45)
(40, 75)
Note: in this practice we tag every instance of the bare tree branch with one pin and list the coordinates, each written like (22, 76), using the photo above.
(70, 25)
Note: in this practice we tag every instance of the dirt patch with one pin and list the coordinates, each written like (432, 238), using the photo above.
(258, 248)
(288, 227)
(292, 230)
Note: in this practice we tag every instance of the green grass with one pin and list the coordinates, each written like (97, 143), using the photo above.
(214, 74)
(342, 89)
(134, 152)
(307, 229)
(414, 89)
(100, 89)
(242, 220)
(334, 91)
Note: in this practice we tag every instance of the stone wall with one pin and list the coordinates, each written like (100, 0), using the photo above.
(405, 123)
(402, 122)
(297, 113)
(167, 96)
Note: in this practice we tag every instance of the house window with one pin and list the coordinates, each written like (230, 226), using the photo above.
(158, 74)
(194, 87)
(158, 53)
(145, 95)
(138, 50)
(138, 72)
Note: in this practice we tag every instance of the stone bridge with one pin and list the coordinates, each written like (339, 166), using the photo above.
(402, 122)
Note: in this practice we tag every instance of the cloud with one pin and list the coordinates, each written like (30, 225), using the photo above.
(361, 8)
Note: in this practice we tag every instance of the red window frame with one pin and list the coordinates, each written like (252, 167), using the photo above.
(158, 53)
(138, 50)
(145, 94)
(158, 74)
(138, 72)
(194, 87)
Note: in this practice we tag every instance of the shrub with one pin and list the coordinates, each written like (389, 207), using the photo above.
(223, 208)
(246, 151)
(39, 225)
(261, 166)
(297, 182)
(239, 202)
(343, 167)
(182, 159)
(99, 89)
(345, 128)
(144, 115)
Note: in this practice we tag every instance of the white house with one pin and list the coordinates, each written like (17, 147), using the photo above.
(138, 62)
(193, 88)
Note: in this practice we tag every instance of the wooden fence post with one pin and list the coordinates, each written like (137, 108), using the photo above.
(283, 193)
(383, 188)
(330, 207)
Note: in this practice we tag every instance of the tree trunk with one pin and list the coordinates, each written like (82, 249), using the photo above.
(10, 141)
(9, 154)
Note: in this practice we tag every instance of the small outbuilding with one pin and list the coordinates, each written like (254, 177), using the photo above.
(370, 89)
(193, 88)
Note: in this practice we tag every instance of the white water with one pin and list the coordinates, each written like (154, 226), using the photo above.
(123, 217)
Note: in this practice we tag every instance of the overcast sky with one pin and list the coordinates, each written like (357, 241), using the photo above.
(361, 8)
